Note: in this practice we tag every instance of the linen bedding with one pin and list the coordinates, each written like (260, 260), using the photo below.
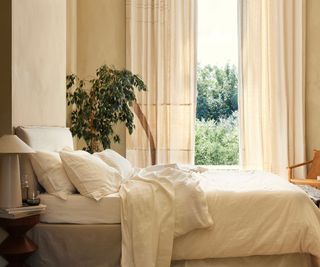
(250, 213)
(253, 213)
(78, 209)
(153, 213)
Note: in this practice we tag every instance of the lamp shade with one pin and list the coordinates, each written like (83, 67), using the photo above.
(12, 144)
(10, 189)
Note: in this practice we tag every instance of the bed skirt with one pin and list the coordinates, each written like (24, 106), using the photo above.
(97, 245)
(100, 246)
(286, 260)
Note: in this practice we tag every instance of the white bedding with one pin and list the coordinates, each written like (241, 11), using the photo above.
(154, 212)
(273, 218)
(81, 210)
(254, 213)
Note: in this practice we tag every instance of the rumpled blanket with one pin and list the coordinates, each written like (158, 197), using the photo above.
(159, 203)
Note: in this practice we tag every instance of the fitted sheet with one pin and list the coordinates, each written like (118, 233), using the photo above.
(78, 209)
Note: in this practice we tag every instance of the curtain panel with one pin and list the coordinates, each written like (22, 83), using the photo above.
(161, 48)
(272, 80)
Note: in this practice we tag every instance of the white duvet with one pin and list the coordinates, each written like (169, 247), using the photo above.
(253, 213)
(158, 204)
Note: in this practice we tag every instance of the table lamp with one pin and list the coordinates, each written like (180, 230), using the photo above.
(10, 187)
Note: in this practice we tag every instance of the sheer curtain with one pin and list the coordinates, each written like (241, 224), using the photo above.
(272, 98)
(161, 49)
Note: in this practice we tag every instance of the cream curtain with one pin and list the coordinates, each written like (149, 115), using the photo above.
(161, 49)
(272, 98)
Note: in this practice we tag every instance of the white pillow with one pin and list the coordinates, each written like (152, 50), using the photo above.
(90, 175)
(50, 173)
(115, 160)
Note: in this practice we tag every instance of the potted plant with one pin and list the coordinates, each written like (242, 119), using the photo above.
(100, 103)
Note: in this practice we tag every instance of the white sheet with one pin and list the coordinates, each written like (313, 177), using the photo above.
(255, 213)
(81, 210)
(154, 211)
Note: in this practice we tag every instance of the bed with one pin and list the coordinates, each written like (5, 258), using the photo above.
(76, 233)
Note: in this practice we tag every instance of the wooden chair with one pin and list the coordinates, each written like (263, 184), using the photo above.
(311, 181)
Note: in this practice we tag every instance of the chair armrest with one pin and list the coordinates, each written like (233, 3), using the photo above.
(290, 168)
(300, 164)
(311, 182)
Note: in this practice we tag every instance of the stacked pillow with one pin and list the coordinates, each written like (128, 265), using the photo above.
(90, 175)
(51, 174)
(115, 160)
(94, 176)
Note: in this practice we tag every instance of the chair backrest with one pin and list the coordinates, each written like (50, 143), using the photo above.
(314, 170)
(41, 138)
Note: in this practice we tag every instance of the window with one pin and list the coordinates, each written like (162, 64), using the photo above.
(217, 141)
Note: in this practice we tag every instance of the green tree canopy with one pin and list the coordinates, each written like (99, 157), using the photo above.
(216, 141)
(217, 92)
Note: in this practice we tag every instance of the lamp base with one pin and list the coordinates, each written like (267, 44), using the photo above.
(10, 187)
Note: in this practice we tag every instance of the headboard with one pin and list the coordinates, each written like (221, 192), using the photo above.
(41, 138)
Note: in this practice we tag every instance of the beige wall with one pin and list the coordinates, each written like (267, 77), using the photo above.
(101, 35)
(100, 40)
(71, 36)
(33, 63)
(313, 77)
(38, 62)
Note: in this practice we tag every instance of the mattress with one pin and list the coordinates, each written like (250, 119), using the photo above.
(81, 210)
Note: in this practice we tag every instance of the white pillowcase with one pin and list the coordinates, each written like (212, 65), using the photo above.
(50, 173)
(115, 160)
(89, 174)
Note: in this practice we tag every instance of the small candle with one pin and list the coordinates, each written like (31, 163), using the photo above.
(318, 178)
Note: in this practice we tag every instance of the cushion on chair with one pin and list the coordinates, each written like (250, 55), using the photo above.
(315, 166)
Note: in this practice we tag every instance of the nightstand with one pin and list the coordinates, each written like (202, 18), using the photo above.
(17, 247)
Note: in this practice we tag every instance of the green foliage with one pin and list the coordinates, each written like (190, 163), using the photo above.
(217, 92)
(100, 103)
(217, 141)
(217, 120)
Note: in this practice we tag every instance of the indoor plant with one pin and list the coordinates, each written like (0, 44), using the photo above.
(100, 103)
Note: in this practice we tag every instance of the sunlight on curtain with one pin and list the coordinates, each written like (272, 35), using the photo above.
(272, 98)
(161, 49)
